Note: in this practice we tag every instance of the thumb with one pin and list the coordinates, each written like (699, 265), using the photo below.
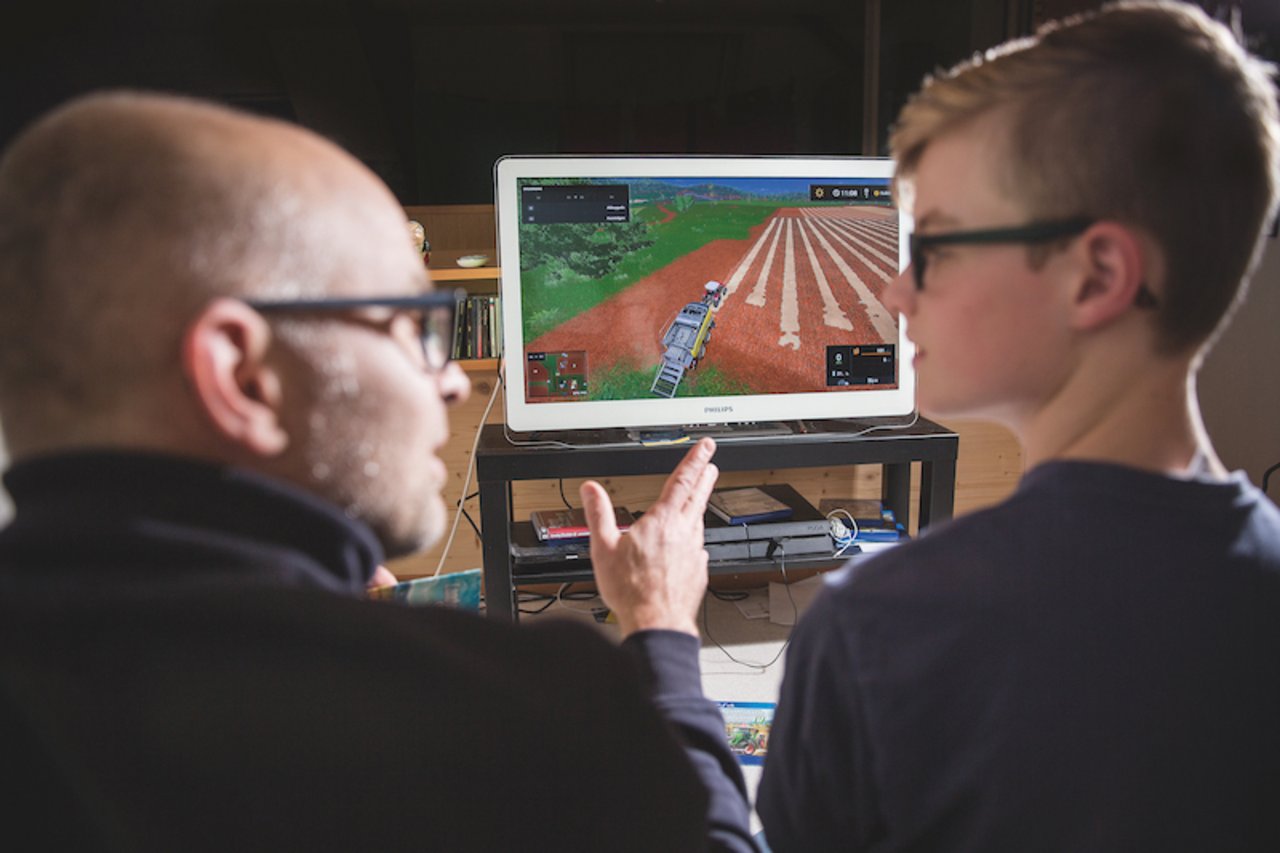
(598, 509)
(382, 576)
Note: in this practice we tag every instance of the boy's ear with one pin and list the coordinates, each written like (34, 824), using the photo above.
(1113, 270)
(224, 358)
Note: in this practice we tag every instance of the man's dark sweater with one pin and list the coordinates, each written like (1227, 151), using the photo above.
(187, 663)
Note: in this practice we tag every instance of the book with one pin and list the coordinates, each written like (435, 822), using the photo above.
(570, 524)
(805, 520)
(747, 505)
(746, 726)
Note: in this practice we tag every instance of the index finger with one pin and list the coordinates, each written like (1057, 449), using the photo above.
(598, 508)
(683, 482)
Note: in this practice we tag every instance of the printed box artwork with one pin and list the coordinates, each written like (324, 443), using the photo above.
(746, 725)
(456, 589)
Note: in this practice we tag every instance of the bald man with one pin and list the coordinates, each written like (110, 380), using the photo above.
(224, 382)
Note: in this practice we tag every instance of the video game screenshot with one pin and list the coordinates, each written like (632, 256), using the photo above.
(672, 287)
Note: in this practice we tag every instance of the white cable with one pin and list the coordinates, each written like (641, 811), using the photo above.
(915, 418)
(466, 480)
(845, 539)
(781, 560)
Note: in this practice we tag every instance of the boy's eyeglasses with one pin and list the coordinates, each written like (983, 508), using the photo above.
(1036, 232)
(434, 315)
(1032, 233)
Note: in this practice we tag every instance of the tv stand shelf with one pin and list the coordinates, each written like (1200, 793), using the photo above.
(500, 463)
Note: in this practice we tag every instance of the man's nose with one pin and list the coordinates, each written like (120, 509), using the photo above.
(455, 385)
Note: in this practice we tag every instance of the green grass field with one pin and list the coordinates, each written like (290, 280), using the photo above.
(551, 297)
(627, 383)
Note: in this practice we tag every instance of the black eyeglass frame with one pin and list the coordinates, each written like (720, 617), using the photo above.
(437, 350)
(1032, 233)
(1035, 232)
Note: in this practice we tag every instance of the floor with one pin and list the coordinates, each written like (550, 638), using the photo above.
(743, 644)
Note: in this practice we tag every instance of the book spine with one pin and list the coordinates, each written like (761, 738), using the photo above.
(721, 514)
(877, 535)
(459, 332)
(468, 329)
(566, 533)
(494, 343)
(497, 325)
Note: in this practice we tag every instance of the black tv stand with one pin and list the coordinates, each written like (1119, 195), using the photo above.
(720, 432)
(499, 463)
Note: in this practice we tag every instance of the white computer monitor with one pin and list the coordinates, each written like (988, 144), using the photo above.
(667, 291)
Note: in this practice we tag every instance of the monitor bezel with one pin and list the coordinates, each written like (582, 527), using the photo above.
(523, 416)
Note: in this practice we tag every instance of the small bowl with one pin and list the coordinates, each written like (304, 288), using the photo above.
(472, 261)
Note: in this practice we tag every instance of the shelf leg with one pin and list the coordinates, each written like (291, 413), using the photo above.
(495, 538)
(895, 490)
(937, 491)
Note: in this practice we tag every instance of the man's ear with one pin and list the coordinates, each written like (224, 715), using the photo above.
(224, 358)
(1113, 268)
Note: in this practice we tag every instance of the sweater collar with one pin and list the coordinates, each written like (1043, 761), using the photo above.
(180, 510)
(1119, 481)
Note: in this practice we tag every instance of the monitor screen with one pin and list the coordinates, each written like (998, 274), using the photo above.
(664, 291)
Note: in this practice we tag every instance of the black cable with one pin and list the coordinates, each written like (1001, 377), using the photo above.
(1266, 475)
(731, 595)
(563, 594)
(550, 600)
(471, 521)
(562, 497)
(462, 509)
(530, 597)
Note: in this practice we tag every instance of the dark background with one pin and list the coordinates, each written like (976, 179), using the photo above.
(430, 93)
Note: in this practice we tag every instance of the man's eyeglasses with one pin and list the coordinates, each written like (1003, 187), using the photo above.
(433, 314)
(1031, 234)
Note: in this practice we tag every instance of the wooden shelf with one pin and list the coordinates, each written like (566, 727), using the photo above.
(464, 274)
(478, 365)
(499, 463)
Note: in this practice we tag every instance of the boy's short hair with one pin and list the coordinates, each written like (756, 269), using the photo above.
(1147, 113)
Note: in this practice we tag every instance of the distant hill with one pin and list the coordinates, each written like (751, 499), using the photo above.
(661, 191)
